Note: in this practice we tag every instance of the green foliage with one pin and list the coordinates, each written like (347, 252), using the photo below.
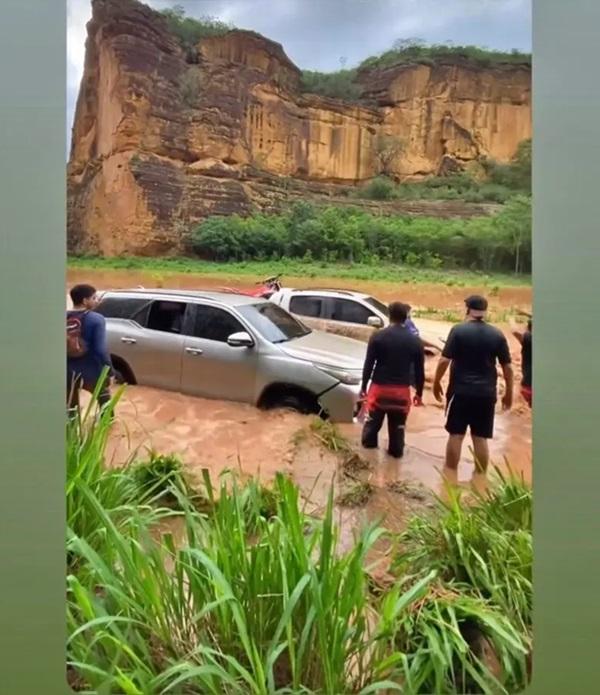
(189, 30)
(417, 51)
(502, 182)
(254, 271)
(337, 85)
(347, 235)
(380, 188)
(257, 597)
(515, 175)
(485, 546)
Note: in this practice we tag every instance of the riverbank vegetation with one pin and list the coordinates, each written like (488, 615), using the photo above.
(500, 243)
(159, 270)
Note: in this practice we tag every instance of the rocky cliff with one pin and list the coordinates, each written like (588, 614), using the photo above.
(165, 137)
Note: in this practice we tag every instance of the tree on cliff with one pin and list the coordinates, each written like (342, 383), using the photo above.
(388, 148)
(189, 30)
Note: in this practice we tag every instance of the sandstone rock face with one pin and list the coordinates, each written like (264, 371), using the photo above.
(161, 140)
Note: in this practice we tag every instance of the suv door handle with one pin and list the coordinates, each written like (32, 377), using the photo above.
(129, 341)
(193, 351)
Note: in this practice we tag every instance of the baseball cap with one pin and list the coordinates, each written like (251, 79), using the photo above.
(476, 305)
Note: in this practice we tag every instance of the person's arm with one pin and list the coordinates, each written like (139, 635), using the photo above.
(419, 364)
(428, 344)
(516, 330)
(99, 345)
(369, 364)
(446, 358)
(504, 358)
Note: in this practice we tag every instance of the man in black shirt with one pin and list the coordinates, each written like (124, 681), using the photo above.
(471, 351)
(391, 356)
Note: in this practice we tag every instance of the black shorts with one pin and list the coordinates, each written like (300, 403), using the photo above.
(475, 412)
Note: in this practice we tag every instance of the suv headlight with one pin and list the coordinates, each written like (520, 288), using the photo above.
(352, 377)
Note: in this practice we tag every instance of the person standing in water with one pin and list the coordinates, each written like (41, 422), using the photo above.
(472, 350)
(87, 353)
(391, 354)
(525, 338)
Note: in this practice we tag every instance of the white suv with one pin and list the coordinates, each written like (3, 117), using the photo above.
(353, 314)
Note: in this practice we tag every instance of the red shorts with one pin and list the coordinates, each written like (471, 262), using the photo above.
(527, 393)
(389, 398)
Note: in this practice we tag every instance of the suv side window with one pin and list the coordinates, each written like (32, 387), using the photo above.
(305, 305)
(164, 316)
(121, 307)
(349, 311)
(212, 323)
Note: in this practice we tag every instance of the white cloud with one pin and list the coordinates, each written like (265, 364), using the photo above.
(78, 14)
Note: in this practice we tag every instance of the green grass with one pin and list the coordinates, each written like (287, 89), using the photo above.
(257, 597)
(253, 270)
(485, 546)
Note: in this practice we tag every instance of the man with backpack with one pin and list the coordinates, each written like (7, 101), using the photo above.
(87, 354)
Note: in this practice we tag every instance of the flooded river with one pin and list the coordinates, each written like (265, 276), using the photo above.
(219, 435)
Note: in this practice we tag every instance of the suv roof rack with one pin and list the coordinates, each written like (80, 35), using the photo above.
(329, 289)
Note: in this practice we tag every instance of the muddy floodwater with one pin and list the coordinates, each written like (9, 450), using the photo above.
(221, 435)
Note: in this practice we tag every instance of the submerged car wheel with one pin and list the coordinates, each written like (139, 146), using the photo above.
(282, 397)
(123, 374)
(293, 401)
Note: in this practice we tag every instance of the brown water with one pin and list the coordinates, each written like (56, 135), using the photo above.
(219, 435)
(423, 295)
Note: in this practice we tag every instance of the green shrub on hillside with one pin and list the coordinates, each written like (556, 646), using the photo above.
(340, 84)
(347, 235)
(416, 50)
(190, 30)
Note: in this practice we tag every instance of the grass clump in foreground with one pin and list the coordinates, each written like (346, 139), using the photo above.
(248, 602)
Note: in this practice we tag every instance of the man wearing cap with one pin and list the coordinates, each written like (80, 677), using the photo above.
(471, 351)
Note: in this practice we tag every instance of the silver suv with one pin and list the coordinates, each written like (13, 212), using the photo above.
(231, 347)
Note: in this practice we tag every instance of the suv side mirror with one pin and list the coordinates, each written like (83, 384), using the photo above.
(241, 339)
(374, 322)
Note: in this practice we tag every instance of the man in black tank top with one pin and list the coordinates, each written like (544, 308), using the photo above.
(472, 350)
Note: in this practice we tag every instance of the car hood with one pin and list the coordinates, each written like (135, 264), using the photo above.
(329, 349)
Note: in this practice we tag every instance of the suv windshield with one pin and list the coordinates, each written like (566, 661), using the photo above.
(378, 305)
(272, 322)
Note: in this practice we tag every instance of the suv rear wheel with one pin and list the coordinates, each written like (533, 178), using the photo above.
(123, 373)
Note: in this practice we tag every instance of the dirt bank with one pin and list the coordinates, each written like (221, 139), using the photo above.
(427, 296)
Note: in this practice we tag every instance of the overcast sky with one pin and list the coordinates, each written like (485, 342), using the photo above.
(316, 34)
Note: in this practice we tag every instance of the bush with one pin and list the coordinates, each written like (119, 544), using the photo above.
(189, 30)
(380, 188)
(337, 85)
(417, 51)
(500, 243)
